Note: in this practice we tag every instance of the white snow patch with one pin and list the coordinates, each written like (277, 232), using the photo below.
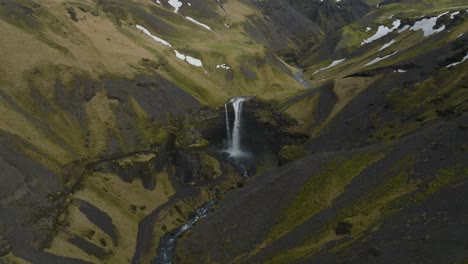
(368, 29)
(456, 63)
(387, 45)
(198, 23)
(223, 66)
(158, 2)
(379, 59)
(382, 31)
(189, 4)
(334, 63)
(399, 71)
(191, 60)
(459, 36)
(179, 55)
(160, 40)
(176, 4)
(452, 16)
(427, 25)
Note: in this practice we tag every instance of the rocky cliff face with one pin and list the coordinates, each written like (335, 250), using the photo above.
(110, 127)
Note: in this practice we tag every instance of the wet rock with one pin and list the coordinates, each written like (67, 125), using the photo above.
(71, 11)
(103, 242)
(374, 251)
(343, 228)
(188, 167)
(5, 246)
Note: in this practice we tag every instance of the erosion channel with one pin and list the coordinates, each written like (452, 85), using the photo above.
(250, 146)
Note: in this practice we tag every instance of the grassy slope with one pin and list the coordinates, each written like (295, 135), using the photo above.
(364, 188)
(55, 48)
(95, 46)
(431, 101)
(409, 44)
(54, 101)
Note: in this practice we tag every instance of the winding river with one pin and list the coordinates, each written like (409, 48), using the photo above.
(167, 243)
(298, 77)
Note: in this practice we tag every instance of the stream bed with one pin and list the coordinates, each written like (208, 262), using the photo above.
(298, 77)
(168, 242)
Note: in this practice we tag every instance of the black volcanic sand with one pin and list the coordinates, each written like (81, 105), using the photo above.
(99, 218)
(245, 216)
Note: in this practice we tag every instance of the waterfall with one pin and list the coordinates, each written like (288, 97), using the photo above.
(228, 128)
(234, 138)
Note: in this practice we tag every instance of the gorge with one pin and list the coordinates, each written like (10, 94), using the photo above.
(203, 131)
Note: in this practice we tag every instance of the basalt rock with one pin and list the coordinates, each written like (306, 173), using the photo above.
(5, 246)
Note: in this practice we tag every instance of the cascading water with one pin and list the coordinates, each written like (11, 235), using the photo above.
(234, 138)
(228, 126)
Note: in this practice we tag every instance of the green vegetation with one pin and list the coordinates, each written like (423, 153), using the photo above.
(210, 167)
(291, 153)
(363, 215)
(320, 190)
(442, 179)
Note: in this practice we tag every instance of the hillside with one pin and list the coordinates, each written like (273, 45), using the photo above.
(113, 125)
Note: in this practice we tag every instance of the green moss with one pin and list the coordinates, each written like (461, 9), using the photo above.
(438, 97)
(290, 153)
(210, 167)
(364, 214)
(443, 178)
(320, 190)
(201, 144)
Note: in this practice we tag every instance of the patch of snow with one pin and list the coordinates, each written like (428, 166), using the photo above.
(176, 4)
(191, 60)
(456, 63)
(189, 4)
(334, 63)
(158, 2)
(198, 23)
(382, 31)
(452, 16)
(368, 29)
(427, 25)
(404, 28)
(160, 40)
(179, 55)
(223, 66)
(459, 36)
(226, 25)
(399, 71)
(379, 59)
(387, 45)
